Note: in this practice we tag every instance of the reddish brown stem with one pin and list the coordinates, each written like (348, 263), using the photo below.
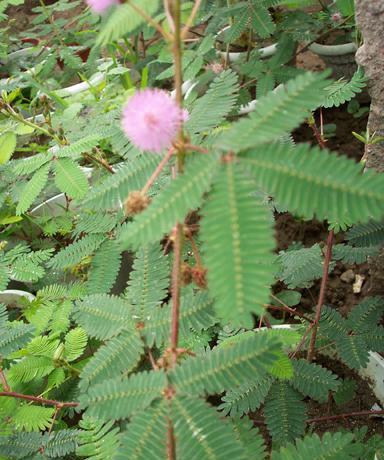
(289, 310)
(158, 170)
(363, 413)
(37, 399)
(171, 448)
(176, 282)
(323, 287)
(3, 381)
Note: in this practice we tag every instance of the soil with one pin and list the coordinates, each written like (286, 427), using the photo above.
(363, 400)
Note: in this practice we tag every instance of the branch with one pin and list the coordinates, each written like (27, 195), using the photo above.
(158, 170)
(324, 280)
(149, 20)
(191, 18)
(363, 413)
(37, 399)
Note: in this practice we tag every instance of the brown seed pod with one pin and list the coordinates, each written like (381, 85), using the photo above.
(136, 202)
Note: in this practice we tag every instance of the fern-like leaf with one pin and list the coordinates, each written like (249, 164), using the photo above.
(33, 188)
(368, 234)
(75, 343)
(210, 110)
(285, 413)
(250, 438)
(33, 418)
(116, 399)
(172, 205)
(115, 189)
(15, 337)
(105, 267)
(332, 446)
(97, 441)
(149, 280)
(103, 316)
(228, 366)
(366, 315)
(310, 181)
(125, 19)
(238, 244)
(351, 255)
(201, 434)
(76, 252)
(313, 380)
(276, 114)
(61, 443)
(146, 436)
(342, 91)
(121, 353)
(70, 179)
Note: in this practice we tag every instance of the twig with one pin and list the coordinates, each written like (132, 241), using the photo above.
(175, 289)
(168, 15)
(149, 20)
(3, 381)
(101, 162)
(290, 311)
(363, 413)
(37, 399)
(158, 170)
(324, 280)
(191, 18)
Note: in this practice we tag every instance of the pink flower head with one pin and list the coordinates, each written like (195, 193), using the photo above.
(336, 17)
(100, 6)
(151, 119)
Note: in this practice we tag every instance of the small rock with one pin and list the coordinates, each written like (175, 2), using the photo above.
(348, 276)
(359, 280)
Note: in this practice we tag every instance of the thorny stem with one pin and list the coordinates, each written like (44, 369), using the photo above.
(178, 234)
(319, 306)
(101, 162)
(158, 170)
(37, 399)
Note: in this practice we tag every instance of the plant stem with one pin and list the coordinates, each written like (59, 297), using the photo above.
(191, 18)
(3, 381)
(351, 414)
(37, 399)
(158, 170)
(149, 20)
(324, 280)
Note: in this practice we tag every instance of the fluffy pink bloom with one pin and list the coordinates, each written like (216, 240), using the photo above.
(336, 17)
(100, 6)
(151, 119)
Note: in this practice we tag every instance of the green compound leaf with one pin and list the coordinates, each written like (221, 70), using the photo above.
(277, 113)
(237, 246)
(285, 413)
(116, 399)
(227, 366)
(33, 188)
(172, 205)
(313, 182)
(201, 433)
(70, 179)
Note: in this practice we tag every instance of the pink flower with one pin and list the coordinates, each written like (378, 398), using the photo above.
(100, 6)
(151, 119)
(336, 17)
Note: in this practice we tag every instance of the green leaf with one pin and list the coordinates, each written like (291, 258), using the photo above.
(33, 188)
(309, 181)
(345, 392)
(117, 399)
(61, 443)
(130, 176)
(248, 397)
(14, 338)
(121, 353)
(70, 179)
(262, 22)
(250, 438)
(285, 413)
(201, 433)
(4, 276)
(33, 418)
(313, 380)
(7, 146)
(125, 19)
(228, 366)
(341, 91)
(75, 343)
(31, 368)
(172, 205)
(353, 350)
(333, 446)
(103, 316)
(97, 441)
(149, 280)
(211, 109)
(105, 268)
(237, 246)
(276, 114)
(146, 437)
